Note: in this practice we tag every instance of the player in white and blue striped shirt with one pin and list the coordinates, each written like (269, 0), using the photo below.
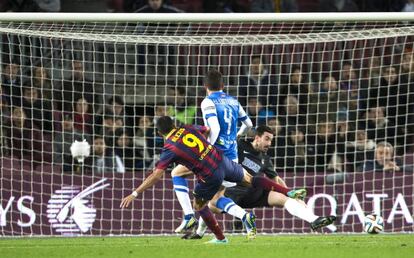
(221, 112)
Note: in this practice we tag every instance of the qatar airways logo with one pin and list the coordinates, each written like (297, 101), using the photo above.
(70, 210)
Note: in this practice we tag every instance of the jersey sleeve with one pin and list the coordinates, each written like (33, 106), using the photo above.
(167, 157)
(210, 118)
(242, 114)
(208, 109)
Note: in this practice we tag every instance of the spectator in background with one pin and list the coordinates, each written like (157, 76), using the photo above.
(25, 140)
(295, 85)
(395, 95)
(278, 148)
(381, 5)
(11, 83)
(325, 145)
(63, 141)
(77, 85)
(157, 6)
(297, 150)
(384, 160)
(409, 6)
(82, 116)
(358, 150)
(103, 159)
(258, 113)
(109, 126)
(180, 107)
(144, 140)
(349, 77)
(270, 6)
(4, 121)
(223, 6)
(258, 81)
(41, 81)
(291, 112)
(125, 150)
(31, 6)
(338, 6)
(378, 127)
(36, 109)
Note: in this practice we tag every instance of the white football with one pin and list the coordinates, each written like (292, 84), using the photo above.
(373, 224)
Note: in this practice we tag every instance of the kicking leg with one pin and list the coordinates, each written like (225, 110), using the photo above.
(201, 206)
(270, 185)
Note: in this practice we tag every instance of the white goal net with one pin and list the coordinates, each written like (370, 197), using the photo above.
(339, 96)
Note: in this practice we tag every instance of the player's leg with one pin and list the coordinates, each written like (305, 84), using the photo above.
(220, 204)
(270, 185)
(201, 207)
(227, 205)
(203, 192)
(299, 209)
(179, 174)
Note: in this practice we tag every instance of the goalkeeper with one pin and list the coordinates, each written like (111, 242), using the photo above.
(252, 156)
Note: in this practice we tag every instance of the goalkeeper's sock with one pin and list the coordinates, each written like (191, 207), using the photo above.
(227, 205)
(211, 222)
(268, 185)
(202, 227)
(300, 210)
(181, 191)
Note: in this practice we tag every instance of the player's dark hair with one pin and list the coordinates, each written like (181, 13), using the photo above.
(165, 124)
(261, 129)
(213, 80)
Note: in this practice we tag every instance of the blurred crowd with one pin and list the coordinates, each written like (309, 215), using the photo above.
(350, 120)
(171, 6)
(346, 120)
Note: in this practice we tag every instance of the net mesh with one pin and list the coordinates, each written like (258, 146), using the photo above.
(334, 93)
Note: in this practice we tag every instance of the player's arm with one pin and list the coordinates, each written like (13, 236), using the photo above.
(150, 181)
(246, 122)
(209, 112)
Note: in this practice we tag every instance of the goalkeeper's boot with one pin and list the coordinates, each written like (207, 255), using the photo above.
(249, 221)
(188, 223)
(215, 241)
(322, 222)
(297, 194)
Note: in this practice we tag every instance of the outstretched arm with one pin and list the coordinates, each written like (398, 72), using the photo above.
(148, 182)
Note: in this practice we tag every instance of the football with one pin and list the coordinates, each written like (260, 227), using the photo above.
(373, 224)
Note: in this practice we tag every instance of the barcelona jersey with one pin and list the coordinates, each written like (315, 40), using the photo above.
(189, 147)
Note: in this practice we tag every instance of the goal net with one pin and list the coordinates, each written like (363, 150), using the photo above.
(339, 96)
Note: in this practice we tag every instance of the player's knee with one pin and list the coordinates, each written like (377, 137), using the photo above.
(199, 204)
(213, 207)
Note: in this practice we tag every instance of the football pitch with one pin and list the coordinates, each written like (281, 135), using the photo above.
(301, 246)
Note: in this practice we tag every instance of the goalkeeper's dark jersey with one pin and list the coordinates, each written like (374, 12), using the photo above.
(255, 162)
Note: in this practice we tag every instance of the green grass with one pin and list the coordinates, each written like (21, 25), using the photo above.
(283, 246)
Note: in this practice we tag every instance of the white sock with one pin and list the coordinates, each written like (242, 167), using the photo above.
(185, 202)
(236, 211)
(202, 227)
(299, 210)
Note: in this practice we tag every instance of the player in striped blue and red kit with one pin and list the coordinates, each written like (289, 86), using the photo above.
(189, 147)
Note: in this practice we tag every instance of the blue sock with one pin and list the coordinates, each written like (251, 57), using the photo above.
(181, 191)
(224, 204)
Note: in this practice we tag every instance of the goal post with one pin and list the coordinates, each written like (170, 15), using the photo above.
(336, 88)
